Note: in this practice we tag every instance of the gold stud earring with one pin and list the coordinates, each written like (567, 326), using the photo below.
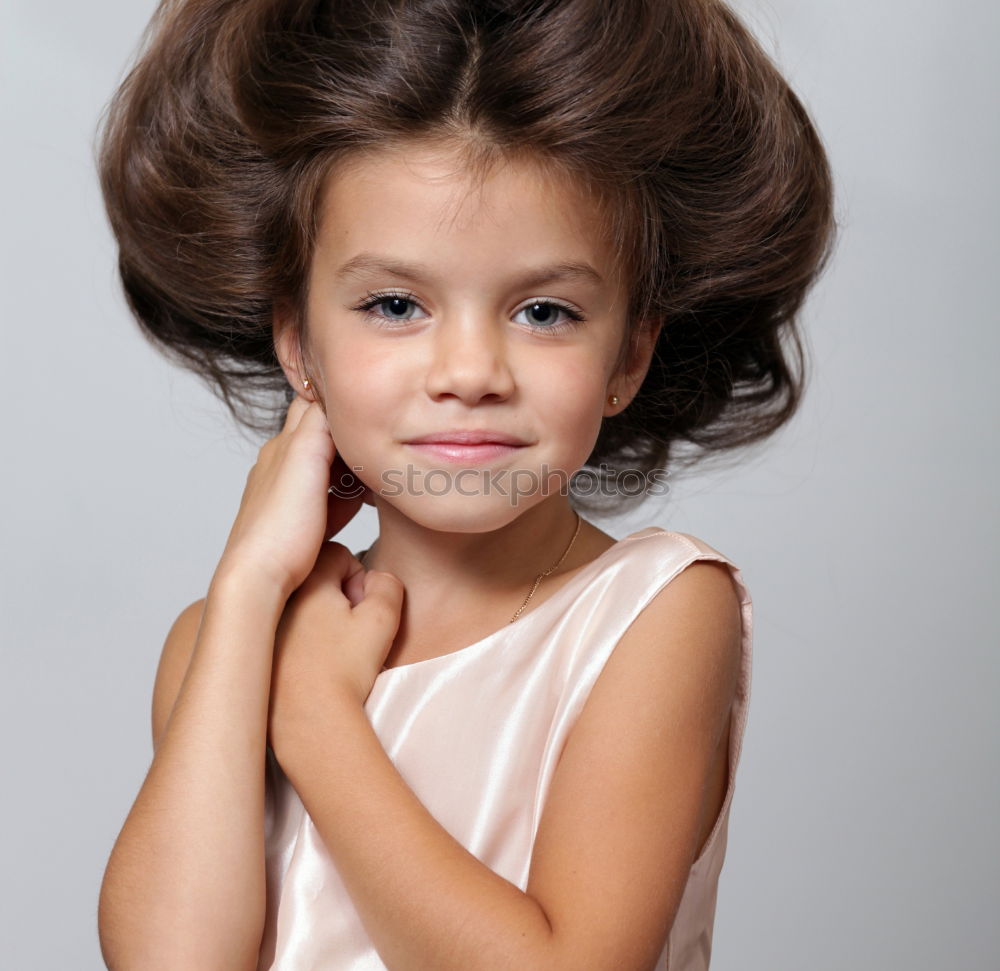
(305, 383)
(613, 399)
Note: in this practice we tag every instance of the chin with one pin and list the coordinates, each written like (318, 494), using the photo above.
(458, 514)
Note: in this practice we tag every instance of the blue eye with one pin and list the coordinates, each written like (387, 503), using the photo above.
(543, 313)
(398, 307)
(394, 304)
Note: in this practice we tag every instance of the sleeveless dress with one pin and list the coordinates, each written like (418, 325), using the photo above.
(516, 694)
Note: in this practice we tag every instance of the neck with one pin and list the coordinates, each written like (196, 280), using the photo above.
(504, 560)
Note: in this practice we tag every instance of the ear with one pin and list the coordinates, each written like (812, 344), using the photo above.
(288, 348)
(626, 382)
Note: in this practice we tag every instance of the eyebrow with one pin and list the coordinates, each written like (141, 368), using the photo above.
(420, 273)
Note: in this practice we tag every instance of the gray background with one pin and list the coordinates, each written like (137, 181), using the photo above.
(863, 833)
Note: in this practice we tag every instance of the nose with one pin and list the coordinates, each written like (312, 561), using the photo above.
(470, 360)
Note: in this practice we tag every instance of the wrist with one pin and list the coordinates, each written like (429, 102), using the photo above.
(250, 587)
(305, 735)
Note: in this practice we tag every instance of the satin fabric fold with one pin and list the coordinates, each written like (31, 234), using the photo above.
(477, 735)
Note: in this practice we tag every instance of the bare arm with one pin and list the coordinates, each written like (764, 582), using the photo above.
(184, 886)
(622, 824)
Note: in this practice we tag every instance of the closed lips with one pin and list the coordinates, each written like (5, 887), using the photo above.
(466, 438)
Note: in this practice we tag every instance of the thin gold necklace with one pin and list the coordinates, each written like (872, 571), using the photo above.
(540, 576)
(538, 579)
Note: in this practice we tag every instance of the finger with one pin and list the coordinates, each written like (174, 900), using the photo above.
(314, 420)
(383, 602)
(348, 571)
(354, 585)
(335, 561)
(335, 572)
(296, 409)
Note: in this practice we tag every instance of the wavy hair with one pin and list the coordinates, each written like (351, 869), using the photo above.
(713, 180)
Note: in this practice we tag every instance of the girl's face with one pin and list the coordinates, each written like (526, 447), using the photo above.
(439, 306)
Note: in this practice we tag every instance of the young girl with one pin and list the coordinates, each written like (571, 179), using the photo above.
(486, 247)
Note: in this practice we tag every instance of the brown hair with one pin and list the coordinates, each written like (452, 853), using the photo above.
(715, 183)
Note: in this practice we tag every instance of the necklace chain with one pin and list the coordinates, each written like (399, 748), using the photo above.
(538, 579)
(541, 576)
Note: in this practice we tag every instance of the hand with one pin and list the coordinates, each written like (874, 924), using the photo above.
(287, 510)
(331, 642)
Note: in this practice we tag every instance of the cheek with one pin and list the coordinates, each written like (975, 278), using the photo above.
(572, 386)
(359, 375)
(570, 403)
(362, 389)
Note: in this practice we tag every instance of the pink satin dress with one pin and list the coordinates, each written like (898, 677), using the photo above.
(477, 734)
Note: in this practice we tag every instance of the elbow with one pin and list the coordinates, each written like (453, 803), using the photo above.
(128, 946)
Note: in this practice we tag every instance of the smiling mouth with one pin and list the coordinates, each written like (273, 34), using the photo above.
(471, 436)
(474, 453)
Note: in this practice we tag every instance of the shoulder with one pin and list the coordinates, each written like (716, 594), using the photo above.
(633, 789)
(688, 637)
(704, 595)
(690, 579)
(174, 660)
(687, 617)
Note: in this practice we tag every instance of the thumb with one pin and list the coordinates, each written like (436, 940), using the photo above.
(375, 579)
(383, 596)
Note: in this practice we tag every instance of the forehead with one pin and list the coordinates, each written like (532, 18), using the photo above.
(432, 191)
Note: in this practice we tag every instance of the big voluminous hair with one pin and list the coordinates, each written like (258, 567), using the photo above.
(713, 180)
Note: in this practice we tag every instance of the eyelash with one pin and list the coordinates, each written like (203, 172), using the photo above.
(374, 299)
